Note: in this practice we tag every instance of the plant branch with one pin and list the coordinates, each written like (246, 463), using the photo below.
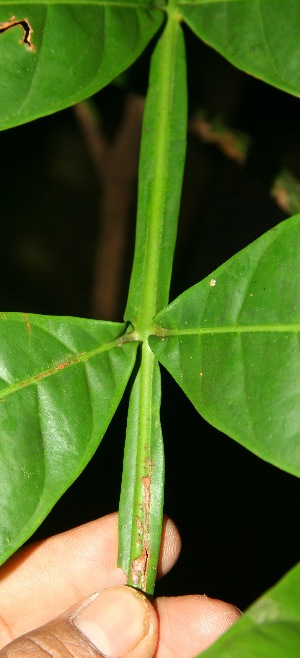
(160, 180)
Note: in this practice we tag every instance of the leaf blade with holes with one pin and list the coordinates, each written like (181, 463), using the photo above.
(233, 347)
(78, 49)
(48, 366)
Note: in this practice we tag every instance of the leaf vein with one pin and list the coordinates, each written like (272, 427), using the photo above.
(56, 368)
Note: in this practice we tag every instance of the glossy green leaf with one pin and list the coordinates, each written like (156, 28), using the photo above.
(61, 380)
(260, 37)
(232, 344)
(78, 48)
(271, 627)
(142, 493)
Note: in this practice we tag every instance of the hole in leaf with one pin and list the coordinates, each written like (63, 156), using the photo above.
(24, 24)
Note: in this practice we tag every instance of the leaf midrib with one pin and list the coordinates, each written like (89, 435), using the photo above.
(189, 3)
(74, 360)
(98, 3)
(118, 3)
(230, 329)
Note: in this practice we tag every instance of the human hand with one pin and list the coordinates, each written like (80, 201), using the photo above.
(43, 580)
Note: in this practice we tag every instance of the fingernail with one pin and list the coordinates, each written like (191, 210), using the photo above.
(115, 621)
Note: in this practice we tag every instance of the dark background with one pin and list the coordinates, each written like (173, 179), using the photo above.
(238, 516)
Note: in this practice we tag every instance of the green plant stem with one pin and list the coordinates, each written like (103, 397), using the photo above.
(141, 504)
(160, 181)
(149, 308)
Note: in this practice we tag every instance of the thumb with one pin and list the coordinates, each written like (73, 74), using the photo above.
(119, 622)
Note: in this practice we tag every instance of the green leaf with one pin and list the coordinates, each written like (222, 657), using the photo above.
(61, 380)
(232, 344)
(142, 493)
(261, 37)
(271, 627)
(79, 47)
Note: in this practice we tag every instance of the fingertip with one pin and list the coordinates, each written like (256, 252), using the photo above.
(217, 616)
(119, 622)
(170, 546)
(191, 624)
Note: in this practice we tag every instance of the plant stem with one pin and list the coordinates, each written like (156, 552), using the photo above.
(141, 503)
(160, 180)
(149, 308)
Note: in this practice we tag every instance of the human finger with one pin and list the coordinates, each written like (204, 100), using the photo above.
(118, 623)
(190, 624)
(42, 580)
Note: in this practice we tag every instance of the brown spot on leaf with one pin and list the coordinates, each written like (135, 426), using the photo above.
(27, 323)
(140, 529)
(139, 566)
(59, 366)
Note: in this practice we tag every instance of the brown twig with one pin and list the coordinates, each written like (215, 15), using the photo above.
(116, 166)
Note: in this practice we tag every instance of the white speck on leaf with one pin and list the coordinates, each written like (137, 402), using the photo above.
(212, 283)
